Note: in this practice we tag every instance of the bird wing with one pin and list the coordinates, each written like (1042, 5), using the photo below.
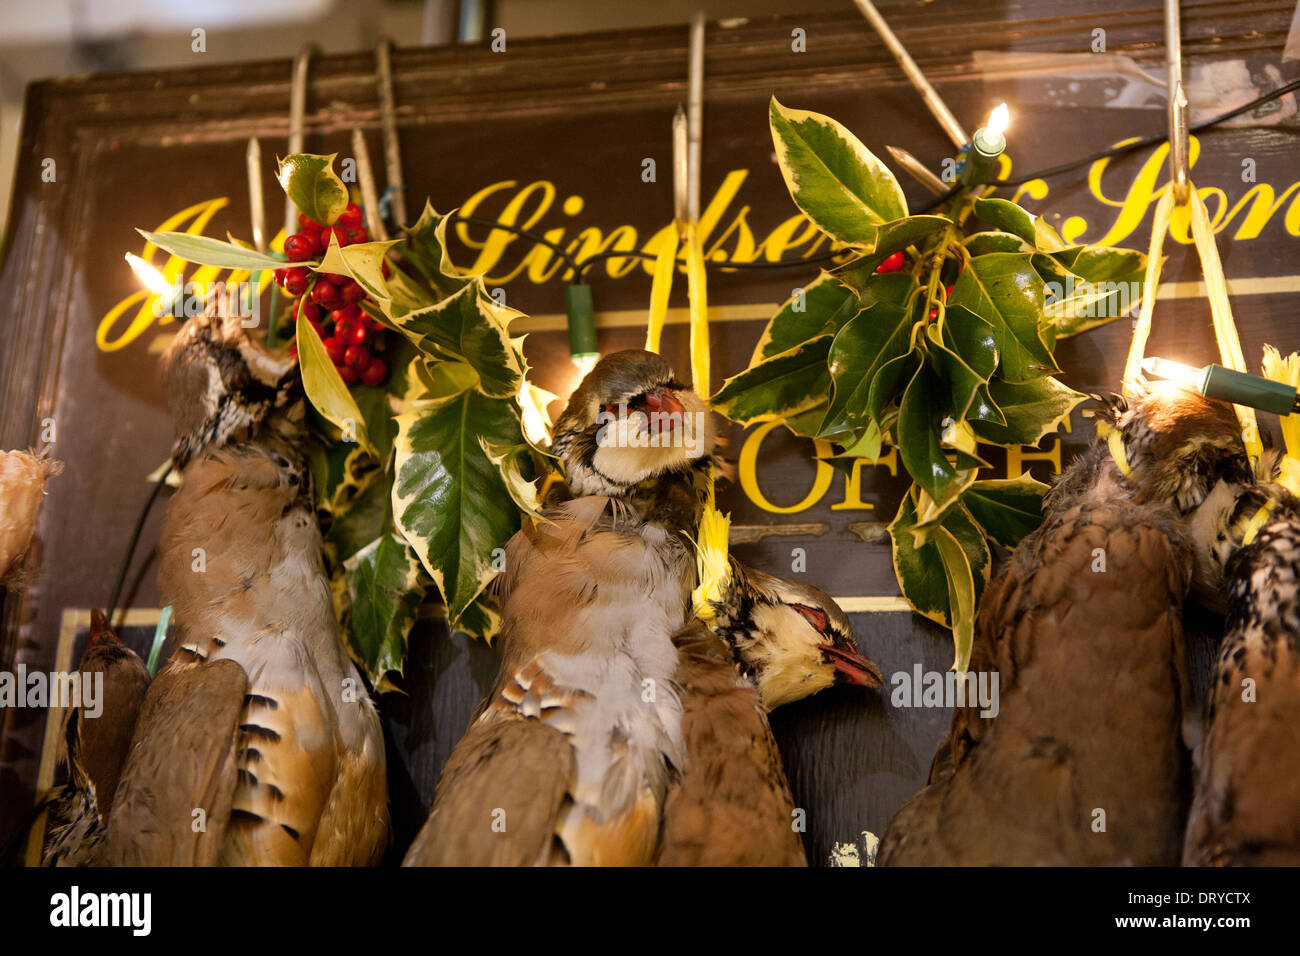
(1246, 812)
(182, 761)
(499, 797)
(1085, 633)
(732, 806)
(102, 742)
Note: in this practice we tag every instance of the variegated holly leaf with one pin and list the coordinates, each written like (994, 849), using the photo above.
(482, 619)
(426, 248)
(782, 386)
(326, 390)
(515, 462)
(1031, 411)
(1004, 290)
(384, 592)
(362, 261)
(982, 243)
(1007, 216)
(838, 183)
(866, 343)
(449, 500)
(207, 251)
(933, 580)
(823, 306)
(359, 519)
(1006, 508)
(312, 185)
(468, 326)
(921, 413)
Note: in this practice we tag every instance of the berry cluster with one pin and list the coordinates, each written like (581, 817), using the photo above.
(897, 263)
(332, 304)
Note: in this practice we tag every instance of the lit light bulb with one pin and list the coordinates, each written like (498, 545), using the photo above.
(1173, 371)
(585, 361)
(998, 120)
(150, 275)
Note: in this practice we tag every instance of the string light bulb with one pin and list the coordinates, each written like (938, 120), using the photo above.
(1227, 385)
(986, 146)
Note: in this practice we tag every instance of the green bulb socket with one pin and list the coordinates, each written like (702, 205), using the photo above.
(1238, 388)
(582, 320)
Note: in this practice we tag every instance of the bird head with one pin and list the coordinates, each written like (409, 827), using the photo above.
(629, 421)
(1174, 445)
(1230, 519)
(792, 638)
(221, 385)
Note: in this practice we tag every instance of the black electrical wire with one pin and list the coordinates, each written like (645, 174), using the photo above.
(1139, 144)
(135, 539)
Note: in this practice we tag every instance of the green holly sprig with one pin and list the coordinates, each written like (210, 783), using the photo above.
(931, 334)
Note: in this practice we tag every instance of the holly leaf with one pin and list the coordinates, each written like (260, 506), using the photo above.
(789, 382)
(1031, 411)
(935, 582)
(1004, 290)
(982, 243)
(515, 463)
(326, 390)
(963, 381)
(469, 327)
(312, 185)
(362, 261)
(972, 338)
(1006, 508)
(384, 591)
(449, 500)
(885, 387)
(207, 251)
(1008, 217)
(359, 520)
(823, 306)
(837, 182)
(872, 338)
(426, 248)
(920, 414)
(1104, 263)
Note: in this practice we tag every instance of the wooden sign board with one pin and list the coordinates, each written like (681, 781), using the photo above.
(553, 135)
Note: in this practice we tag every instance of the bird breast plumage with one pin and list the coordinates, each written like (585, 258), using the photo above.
(241, 565)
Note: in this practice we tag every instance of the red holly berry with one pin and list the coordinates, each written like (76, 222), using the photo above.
(308, 308)
(351, 291)
(349, 313)
(349, 375)
(299, 248)
(387, 271)
(375, 372)
(351, 216)
(894, 263)
(295, 280)
(351, 331)
(338, 280)
(339, 234)
(336, 348)
(293, 350)
(279, 276)
(326, 295)
(305, 221)
(355, 235)
(948, 290)
(357, 356)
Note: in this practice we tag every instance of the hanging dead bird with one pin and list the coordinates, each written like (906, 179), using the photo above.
(22, 487)
(1084, 762)
(632, 431)
(571, 756)
(258, 743)
(95, 746)
(772, 642)
(1246, 806)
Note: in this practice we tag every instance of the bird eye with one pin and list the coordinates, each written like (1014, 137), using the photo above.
(814, 616)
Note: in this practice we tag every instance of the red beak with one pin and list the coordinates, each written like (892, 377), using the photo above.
(662, 402)
(855, 668)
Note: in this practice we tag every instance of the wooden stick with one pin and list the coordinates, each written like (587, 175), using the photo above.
(938, 109)
(388, 115)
